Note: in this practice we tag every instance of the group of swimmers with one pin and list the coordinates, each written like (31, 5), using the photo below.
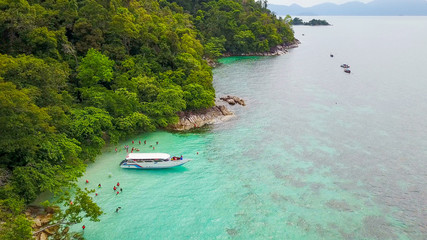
(126, 147)
(115, 188)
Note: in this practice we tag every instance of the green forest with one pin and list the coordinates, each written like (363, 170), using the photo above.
(76, 75)
(312, 22)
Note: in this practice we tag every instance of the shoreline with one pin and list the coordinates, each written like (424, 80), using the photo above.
(199, 118)
(187, 120)
(274, 51)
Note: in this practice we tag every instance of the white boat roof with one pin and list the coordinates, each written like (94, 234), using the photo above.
(147, 156)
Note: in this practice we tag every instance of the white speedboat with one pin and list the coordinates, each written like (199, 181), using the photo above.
(152, 161)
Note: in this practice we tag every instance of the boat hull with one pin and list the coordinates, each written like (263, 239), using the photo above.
(154, 165)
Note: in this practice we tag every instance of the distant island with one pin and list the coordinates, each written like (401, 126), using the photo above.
(312, 22)
(356, 8)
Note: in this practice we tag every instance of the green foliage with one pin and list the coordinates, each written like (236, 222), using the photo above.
(86, 36)
(136, 122)
(244, 40)
(44, 41)
(76, 74)
(214, 47)
(17, 228)
(197, 97)
(167, 104)
(297, 21)
(23, 125)
(247, 27)
(95, 67)
(312, 22)
(29, 181)
(77, 206)
(43, 80)
(89, 125)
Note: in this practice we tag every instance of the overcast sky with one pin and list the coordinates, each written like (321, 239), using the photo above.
(308, 3)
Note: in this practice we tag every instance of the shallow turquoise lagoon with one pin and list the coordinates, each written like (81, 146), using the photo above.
(315, 154)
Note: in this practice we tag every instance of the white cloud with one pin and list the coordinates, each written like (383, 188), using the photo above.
(308, 3)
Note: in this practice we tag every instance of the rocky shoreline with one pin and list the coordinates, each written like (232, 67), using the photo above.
(41, 218)
(219, 113)
(216, 114)
(274, 51)
(200, 118)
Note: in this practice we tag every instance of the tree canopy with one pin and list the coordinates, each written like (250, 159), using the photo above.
(312, 22)
(77, 74)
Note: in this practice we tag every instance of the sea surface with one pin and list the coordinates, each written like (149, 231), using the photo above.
(316, 154)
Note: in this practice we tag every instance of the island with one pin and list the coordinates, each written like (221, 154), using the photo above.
(312, 22)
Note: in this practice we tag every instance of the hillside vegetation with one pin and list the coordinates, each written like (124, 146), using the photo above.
(77, 74)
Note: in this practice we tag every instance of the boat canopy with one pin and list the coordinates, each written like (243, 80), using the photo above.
(147, 156)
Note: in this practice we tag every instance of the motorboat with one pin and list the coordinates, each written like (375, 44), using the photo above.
(345, 65)
(152, 161)
(347, 70)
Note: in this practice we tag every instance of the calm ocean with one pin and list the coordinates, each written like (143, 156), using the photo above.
(315, 154)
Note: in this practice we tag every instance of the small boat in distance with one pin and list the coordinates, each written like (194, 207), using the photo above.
(152, 161)
(347, 70)
(332, 55)
(345, 65)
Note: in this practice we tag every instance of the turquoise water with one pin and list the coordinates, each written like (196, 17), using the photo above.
(315, 154)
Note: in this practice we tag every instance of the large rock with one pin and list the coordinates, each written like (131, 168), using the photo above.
(233, 100)
(193, 119)
(36, 223)
(44, 219)
(43, 236)
(41, 220)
